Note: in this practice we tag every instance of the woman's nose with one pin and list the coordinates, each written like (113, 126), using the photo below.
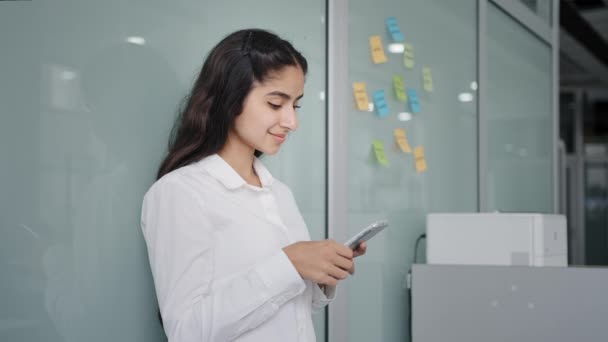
(289, 119)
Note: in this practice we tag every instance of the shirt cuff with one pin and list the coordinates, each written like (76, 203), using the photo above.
(320, 297)
(282, 280)
(330, 292)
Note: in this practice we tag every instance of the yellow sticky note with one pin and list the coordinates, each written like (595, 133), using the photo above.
(399, 89)
(399, 133)
(404, 145)
(420, 165)
(408, 55)
(378, 148)
(375, 46)
(401, 141)
(360, 95)
(419, 160)
(419, 152)
(427, 79)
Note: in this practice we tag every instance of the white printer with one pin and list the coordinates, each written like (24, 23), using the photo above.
(497, 239)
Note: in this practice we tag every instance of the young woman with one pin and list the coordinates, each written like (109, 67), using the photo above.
(228, 248)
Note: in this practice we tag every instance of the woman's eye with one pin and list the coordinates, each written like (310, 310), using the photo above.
(297, 107)
(274, 106)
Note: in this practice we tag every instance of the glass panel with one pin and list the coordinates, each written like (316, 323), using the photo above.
(567, 110)
(88, 93)
(445, 126)
(519, 117)
(596, 214)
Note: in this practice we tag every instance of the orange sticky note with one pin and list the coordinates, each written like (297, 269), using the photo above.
(419, 152)
(360, 95)
(420, 165)
(419, 161)
(375, 46)
(401, 141)
(399, 132)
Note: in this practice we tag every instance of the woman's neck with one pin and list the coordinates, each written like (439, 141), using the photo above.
(240, 158)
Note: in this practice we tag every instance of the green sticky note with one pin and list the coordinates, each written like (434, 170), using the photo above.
(427, 79)
(398, 88)
(408, 56)
(378, 148)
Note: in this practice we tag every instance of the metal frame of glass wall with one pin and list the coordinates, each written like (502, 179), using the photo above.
(574, 166)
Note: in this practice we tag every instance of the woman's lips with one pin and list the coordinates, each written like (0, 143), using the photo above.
(279, 137)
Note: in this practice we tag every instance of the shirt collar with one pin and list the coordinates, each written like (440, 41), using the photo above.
(219, 169)
(265, 176)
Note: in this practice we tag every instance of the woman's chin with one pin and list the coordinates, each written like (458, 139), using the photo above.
(269, 151)
(272, 152)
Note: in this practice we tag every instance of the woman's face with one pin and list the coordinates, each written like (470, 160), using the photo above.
(269, 111)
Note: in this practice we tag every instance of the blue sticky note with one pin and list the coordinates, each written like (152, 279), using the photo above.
(393, 29)
(380, 103)
(412, 99)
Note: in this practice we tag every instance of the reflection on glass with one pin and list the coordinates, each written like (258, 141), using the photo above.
(136, 40)
(405, 116)
(465, 97)
(396, 48)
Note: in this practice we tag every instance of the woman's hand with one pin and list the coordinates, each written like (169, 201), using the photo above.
(359, 251)
(323, 262)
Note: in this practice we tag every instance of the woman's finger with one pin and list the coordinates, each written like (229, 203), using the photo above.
(360, 250)
(342, 262)
(338, 273)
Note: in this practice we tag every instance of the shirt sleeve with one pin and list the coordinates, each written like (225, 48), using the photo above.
(195, 306)
(320, 298)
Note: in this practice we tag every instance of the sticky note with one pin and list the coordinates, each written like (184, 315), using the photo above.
(375, 46)
(401, 141)
(399, 132)
(419, 152)
(393, 29)
(420, 165)
(408, 55)
(419, 160)
(399, 89)
(412, 99)
(360, 95)
(380, 105)
(378, 149)
(427, 79)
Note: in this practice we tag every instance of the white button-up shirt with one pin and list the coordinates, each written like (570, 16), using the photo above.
(215, 249)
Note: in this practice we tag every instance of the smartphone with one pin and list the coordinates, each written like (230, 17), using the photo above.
(366, 234)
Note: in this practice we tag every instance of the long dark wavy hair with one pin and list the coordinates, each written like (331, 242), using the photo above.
(216, 99)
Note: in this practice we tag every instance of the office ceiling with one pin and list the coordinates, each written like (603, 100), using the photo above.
(584, 43)
(596, 14)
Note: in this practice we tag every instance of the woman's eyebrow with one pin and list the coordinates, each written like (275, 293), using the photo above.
(283, 95)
